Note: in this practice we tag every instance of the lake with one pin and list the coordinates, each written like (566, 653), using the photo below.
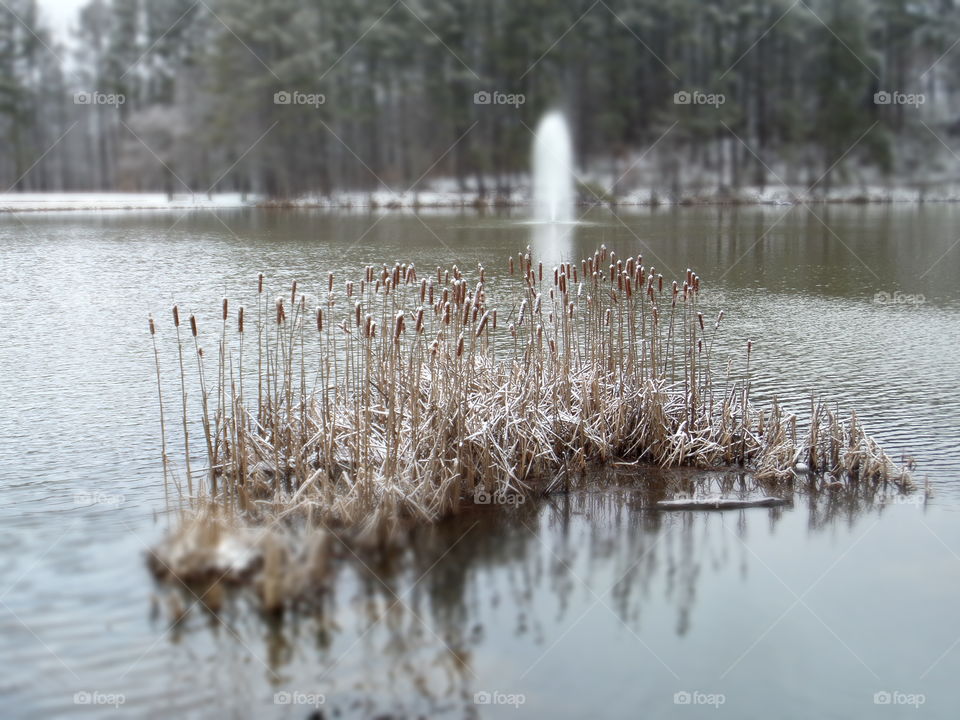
(584, 605)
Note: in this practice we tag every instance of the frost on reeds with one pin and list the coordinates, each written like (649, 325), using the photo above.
(399, 395)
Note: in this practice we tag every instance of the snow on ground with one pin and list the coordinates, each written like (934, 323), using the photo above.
(447, 196)
(32, 202)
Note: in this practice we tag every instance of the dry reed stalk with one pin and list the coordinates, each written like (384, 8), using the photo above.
(183, 397)
(164, 457)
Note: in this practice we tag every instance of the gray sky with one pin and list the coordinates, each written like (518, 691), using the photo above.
(61, 15)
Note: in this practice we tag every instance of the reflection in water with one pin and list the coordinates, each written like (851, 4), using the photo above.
(412, 632)
(552, 243)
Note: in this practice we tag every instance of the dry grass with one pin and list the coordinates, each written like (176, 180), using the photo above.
(398, 395)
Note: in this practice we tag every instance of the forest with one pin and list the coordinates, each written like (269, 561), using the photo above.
(289, 97)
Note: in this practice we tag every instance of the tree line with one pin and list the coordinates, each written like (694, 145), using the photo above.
(289, 97)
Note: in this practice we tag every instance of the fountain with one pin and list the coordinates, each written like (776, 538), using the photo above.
(553, 170)
(553, 221)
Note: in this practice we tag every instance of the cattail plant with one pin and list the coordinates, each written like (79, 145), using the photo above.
(412, 393)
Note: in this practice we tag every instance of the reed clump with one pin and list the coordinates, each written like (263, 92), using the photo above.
(402, 395)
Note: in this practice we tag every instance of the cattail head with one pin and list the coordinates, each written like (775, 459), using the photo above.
(153, 329)
(193, 325)
(460, 345)
(329, 282)
(357, 308)
(494, 318)
(659, 283)
(319, 320)
(176, 316)
(398, 327)
(511, 264)
(749, 348)
(281, 313)
(293, 293)
(240, 319)
(260, 283)
(224, 309)
(482, 324)
(700, 319)
(419, 324)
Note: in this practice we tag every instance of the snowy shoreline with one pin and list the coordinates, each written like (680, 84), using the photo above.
(469, 200)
